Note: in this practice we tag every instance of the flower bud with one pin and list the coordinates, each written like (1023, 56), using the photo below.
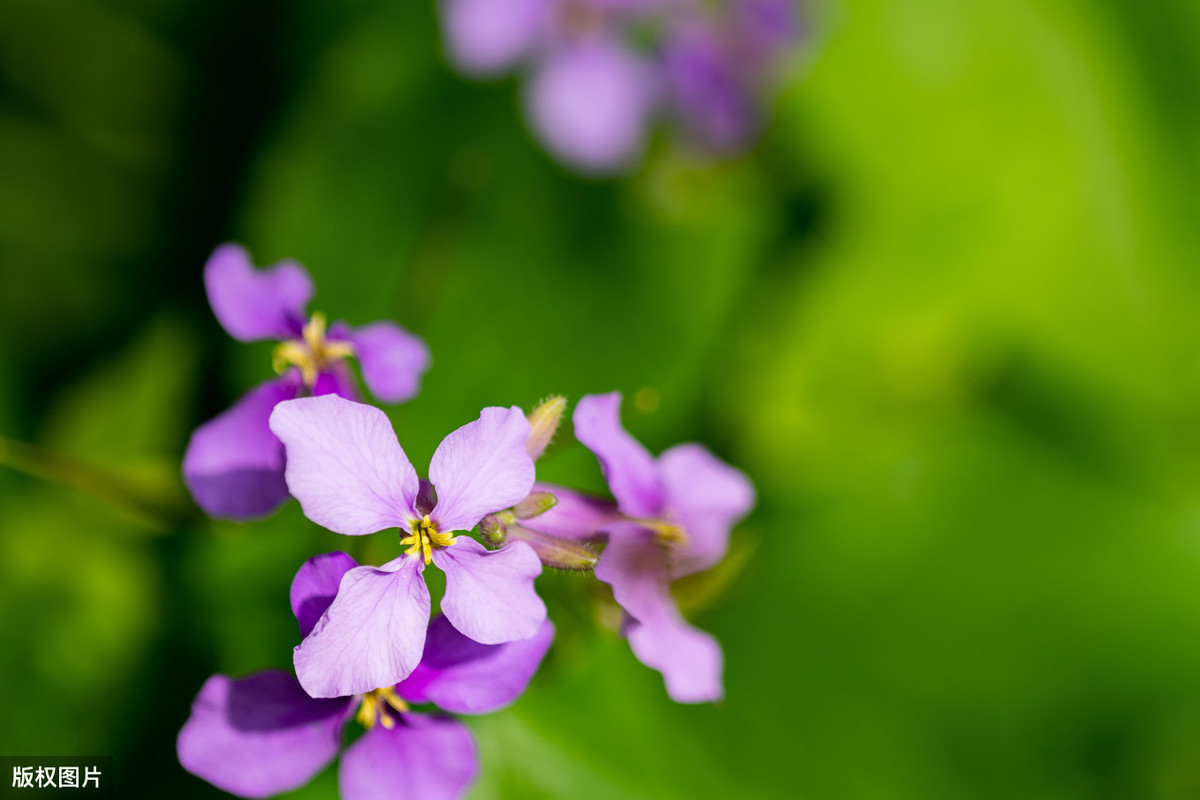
(534, 504)
(543, 422)
(555, 551)
(493, 530)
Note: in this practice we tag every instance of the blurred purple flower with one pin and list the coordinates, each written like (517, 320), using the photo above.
(678, 510)
(715, 69)
(591, 96)
(234, 464)
(601, 70)
(350, 475)
(262, 735)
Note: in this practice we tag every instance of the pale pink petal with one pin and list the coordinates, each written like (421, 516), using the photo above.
(372, 634)
(252, 304)
(480, 468)
(421, 758)
(590, 104)
(392, 359)
(689, 659)
(489, 594)
(344, 464)
(485, 37)
(708, 497)
(628, 467)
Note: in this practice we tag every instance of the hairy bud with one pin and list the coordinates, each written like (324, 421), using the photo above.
(543, 423)
(555, 551)
(535, 504)
(493, 530)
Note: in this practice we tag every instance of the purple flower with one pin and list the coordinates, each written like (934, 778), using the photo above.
(716, 69)
(601, 70)
(678, 509)
(591, 96)
(262, 735)
(350, 475)
(234, 464)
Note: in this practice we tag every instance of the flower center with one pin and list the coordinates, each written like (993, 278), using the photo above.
(425, 537)
(311, 353)
(375, 707)
(665, 531)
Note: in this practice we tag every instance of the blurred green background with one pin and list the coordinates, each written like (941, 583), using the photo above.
(944, 315)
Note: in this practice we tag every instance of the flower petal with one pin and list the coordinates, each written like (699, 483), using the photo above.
(709, 497)
(336, 379)
(590, 104)
(392, 359)
(574, 515)
(234, 464)
(260, 735)
(315, 586)
(480, 468)
(689, 659)
(422, 758)
(372, 634)
(489, 594)
(344, 465)
(706, 90)
(486, 37)
(460, 675)
(252, 304)
(628, 467)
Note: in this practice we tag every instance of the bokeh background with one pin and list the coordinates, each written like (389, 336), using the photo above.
(945, 315)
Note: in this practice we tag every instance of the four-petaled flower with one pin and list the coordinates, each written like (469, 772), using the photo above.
(234, 464)
(262, 735)
(678, 509)
(350, 475)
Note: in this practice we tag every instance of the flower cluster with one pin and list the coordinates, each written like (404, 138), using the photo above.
(368, 649)
(601, 71)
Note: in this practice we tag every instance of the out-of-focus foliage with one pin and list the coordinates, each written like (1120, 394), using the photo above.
(945, 315)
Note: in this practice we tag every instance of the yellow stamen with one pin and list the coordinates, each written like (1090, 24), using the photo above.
(665, 531)
(311, 353)
(375, 706)
(671, 534)
(424, 537)
(366, 712)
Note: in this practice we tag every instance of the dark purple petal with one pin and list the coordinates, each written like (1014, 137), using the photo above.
(458, 674)
(628, 467)
(707, 91)
(344, 465)
(574, 515)
(336, 379)
(707, 497)
(590, 104)
(260, 735)
(480, 468)
(392, 360)
(234, 464)
(252, 304)
(486, 37)
(422, 758)
(315, 586)
(372, 634)
(689, 659)
(489, 594)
